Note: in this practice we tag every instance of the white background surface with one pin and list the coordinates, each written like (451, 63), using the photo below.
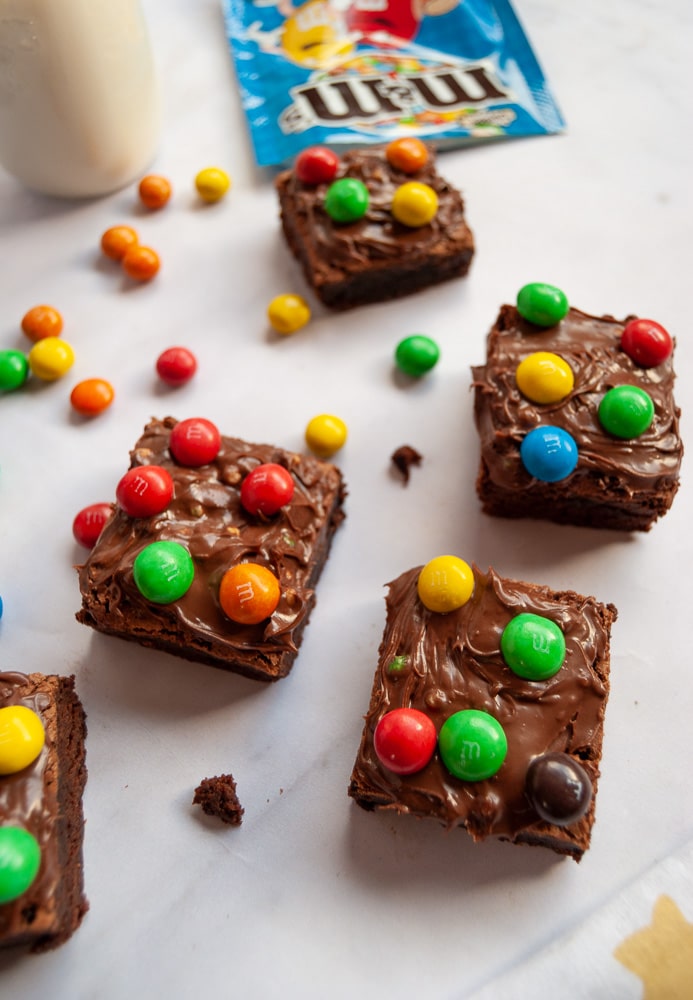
(312, 897)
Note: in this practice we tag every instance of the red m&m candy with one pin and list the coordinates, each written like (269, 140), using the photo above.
(316, 165)
(404, 740)
(266, 489)
(145, 491)
(646, 342)
(88, 524)
(195, 442)
(176, 365)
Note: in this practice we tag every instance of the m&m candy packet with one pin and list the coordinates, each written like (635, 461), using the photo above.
(353, 72)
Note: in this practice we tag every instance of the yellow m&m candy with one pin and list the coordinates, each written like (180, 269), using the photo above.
(544, 377)
(288, 313)
(212, 183)
(51, 358)
(445, 584)
(325, 434)
(414, 204)
(21, 738)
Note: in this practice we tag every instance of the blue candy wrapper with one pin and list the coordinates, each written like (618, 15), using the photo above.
(353, 72)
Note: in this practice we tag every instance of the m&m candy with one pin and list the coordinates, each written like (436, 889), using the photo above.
(117, 240)
(533, 647)
(20, 859)
(266, 489)
(347, 200)
(249, 593)
(288, 313)
(445, 584)
(325, 434)
(89, 522)
(549, 453)
(154, 191)
(145, 490)
(559, 788)
(408, 154)
(646, 342)
(195, 442)
(163, 572)
(414, 204)
(472, 745)
(404, 740)
(176, 365)
(42, 321)
(92, 396)
(416, 355)
(51, 358)
(212, 183)
(22, 736)
(14, 370)
(140, 263)
(544, 377)
(541, 304)
(626, 411)
(316, 165)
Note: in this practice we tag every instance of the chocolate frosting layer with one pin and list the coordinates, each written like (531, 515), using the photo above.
(591, 346)
(206, 516)
(443, 663)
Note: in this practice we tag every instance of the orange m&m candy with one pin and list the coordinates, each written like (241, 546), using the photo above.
(92, 396)
(141, 263)
(408, 155)
(154, 191)
(117, 240)
(41, 322)
(248, 593)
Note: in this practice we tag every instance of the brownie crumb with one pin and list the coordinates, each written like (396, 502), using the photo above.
(217, 796)
(403, 459)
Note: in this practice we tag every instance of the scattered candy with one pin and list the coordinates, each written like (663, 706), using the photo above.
(626, 411)
(404, 740)
(472, 745)
(266, 489)
(163, 572)
(543, 305)
(544, 377)
(646, 342)
(2, 608)
(347, 200)
(154, 191)
(549, 453)
(416, 355)
(195, 442)
(145, 490)
(92, 396)
(212, 183)
(176, 365)
(20, 858)
(316, 165)
(88, 523)
(445, 584)
(559, 788)
(21, 738)
(249, 593)
(414, 204)
(42, 321)
(288, 313)
(140, 263)
(408, 154)
(117, 240)
(14, 370)
(325, 434)
(51, 358)
(533, 647)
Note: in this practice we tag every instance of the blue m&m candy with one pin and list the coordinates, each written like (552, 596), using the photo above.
(549, 453)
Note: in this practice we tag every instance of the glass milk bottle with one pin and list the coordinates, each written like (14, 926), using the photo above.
(79, 104)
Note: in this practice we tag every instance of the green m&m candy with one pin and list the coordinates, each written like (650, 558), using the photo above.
(416, 355)
(163, 572)
(626, 411)
(543, 305)
(472, 745)
(533, 647)
(20, 857)
(14, 370)
(346, 200)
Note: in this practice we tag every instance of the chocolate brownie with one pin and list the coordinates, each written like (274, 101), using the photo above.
(444, 664)
(206, 516)
(617, 483)
(376, 257)
(218, 797)
(44, 798)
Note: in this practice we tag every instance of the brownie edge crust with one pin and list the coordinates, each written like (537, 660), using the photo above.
(444, 663)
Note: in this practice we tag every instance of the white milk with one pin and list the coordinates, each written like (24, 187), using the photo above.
(79, 104)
